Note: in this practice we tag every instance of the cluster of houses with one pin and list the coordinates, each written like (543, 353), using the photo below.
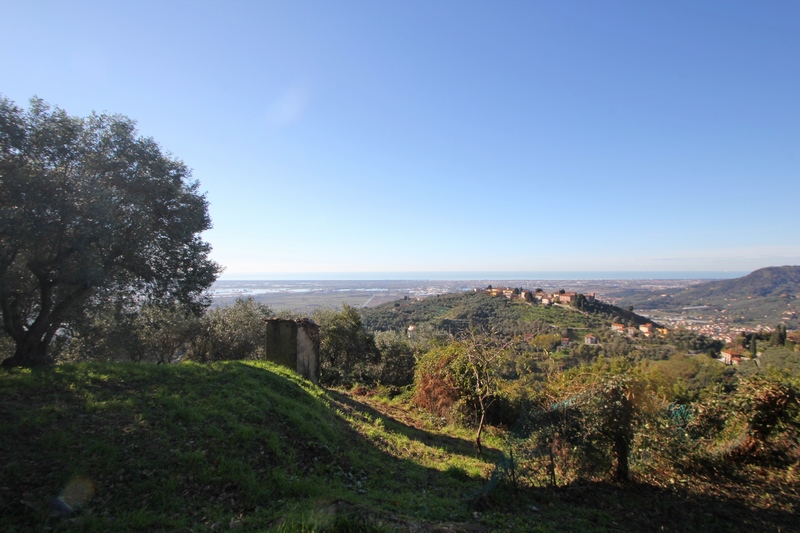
(540, 296)
(730, 355)
(733, 354)
(648, 330)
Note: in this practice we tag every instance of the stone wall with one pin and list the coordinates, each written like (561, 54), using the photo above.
(294, 344)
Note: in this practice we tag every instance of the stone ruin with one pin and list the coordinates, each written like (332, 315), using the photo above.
(294, 344)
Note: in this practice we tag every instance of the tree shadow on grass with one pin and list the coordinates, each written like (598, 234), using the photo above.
(194, 446)
(643, 507)
(600, 506)
(450, 444)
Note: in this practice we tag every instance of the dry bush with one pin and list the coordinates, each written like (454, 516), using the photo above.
(435, 389)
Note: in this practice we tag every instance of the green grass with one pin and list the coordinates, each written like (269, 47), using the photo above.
(191, 446)
(252, 446)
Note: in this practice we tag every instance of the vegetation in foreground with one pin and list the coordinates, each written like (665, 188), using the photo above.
(250, 445)
(209, 446)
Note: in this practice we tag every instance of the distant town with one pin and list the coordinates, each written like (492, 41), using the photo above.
(305, 296)
(713, 327)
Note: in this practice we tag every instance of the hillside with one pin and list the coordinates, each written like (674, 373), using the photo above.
(772, 281)
(252, 447)
(458, 311)
(146, 447)
(765, 296)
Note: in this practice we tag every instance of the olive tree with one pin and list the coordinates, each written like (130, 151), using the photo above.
(465, 373)
(347, 350)
(90, 212)
(595, 412)
(233, 332)
(165, 332)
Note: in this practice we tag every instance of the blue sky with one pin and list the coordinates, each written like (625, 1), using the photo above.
(398, 136)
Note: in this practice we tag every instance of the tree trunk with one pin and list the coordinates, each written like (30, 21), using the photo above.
(30, 352)
(33, 340)
(621, 449)
(480, 429)
(623, 435)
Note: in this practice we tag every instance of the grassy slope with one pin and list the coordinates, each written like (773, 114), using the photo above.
(171, 447)
(203, 448)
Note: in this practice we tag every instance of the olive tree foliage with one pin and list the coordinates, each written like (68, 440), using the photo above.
(584, 423)
(150, 333)
(464, 376)
(350, 354)
(398, 357)
(233, 332)
(347, 350)
(399, 352)
(91, 213)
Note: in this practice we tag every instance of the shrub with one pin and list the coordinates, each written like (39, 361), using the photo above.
(762, 420)
(397, 359)
(435, 386)
(165, 331)
(347, 351)
(464, 374)
(585, 421)
(107, 333)
(233, 332)
(114, 332)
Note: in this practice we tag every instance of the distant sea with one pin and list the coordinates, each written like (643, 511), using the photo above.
(489, 275)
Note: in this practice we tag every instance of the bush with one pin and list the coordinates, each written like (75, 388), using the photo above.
(759, 421)
(106, 333)
(584, 423)
(164, 332)
(436, 387)
(233, 332)
(397, 359)
(7, 346)
(347, 351)
(464, 374)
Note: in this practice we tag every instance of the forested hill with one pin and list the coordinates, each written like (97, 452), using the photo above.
(459, 311)
(771, 281)
(765, 296)
(767, 292)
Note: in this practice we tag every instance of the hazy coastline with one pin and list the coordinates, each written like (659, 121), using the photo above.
(305, 295)
(482, 275)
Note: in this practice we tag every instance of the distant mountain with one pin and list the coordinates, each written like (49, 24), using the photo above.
(767, 295)
(771, 281)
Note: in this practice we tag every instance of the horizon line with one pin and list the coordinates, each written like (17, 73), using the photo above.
(419, 275)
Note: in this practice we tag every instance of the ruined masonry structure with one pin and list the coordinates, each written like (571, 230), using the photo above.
(294, 344)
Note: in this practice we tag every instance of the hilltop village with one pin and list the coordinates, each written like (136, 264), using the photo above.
(735, 338)
(712, 327)
(538, 295)
(564, 297)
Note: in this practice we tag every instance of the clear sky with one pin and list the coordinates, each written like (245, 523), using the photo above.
(338, 136)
